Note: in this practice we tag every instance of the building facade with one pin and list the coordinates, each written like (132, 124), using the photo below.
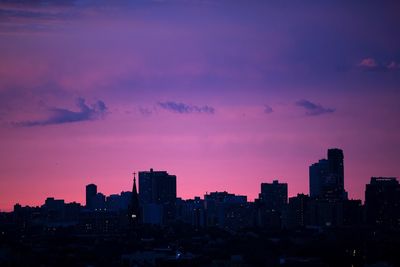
(157, 194)
(382, 201)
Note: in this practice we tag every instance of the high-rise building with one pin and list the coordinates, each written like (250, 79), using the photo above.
(274, 195)
(157, 187)
(327, 177)
(336, 169)
(271, 204)
(318, 173)
(91, 192)
(382, 201)
(157, 191)
(99, 202)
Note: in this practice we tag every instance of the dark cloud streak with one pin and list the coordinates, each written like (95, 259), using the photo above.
(268, 109)
(185, 108)
(61, 116)
(313, 109)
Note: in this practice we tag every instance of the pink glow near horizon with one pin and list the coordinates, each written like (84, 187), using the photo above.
(186, 89)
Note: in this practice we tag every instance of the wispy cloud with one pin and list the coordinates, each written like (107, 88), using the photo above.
(368, 63)
(60, 115)
(313, 109)
(145, 111)
(183, 108)
(36, 16)
(371, 64)
(268, 109)
(393, 66)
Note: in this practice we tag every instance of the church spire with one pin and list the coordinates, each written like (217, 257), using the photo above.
(134, 209)
(134, 190)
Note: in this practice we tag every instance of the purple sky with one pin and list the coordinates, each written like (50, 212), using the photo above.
(224, 94)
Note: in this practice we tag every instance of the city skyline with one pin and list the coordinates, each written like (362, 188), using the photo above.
(223, 94)
(159, 191)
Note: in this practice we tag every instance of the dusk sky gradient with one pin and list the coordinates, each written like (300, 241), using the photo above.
(225, 94)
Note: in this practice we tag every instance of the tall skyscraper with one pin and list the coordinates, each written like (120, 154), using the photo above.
(91, 192)
(157, 189)
(318, 174)
(382, 201)
(274, 195)
(327, 177)
(336, 168)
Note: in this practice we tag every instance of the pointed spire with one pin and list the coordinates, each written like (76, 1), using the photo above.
(134, 208)
(134, 189)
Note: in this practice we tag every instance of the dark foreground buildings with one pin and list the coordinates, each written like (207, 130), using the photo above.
(271, 204)
(382, 202)
(150, 226)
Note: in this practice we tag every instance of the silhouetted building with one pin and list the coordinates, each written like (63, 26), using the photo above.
(334, 187)
(54, 204)
(336, 168)
(318, 175)
(382, 201)
(125, 200)
(271, 203)
(352, 212)
(304, 211)
(274, 195)
(91, 192)
(325, 212)
(119, 202)
(228, 211)
(113, 202)
(99, 202)
(157, 191)
(296, 214)
(54, 209)
(327, 177)
(191, 211)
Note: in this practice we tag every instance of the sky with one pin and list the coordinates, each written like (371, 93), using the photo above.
(225, 94)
